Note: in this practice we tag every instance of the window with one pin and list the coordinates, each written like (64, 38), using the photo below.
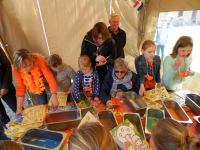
(186, 26)
(194, 14)
(180, 15)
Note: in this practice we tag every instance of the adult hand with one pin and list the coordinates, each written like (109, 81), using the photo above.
(54, 101)
(79, 104)
(96, 99)
(109, 104)
(158, 85)
(100, 63)
(3, 92)
(19, 111)
(101, 60)
(120, 95)
(178, 62)
(142, 90)
(69, 92)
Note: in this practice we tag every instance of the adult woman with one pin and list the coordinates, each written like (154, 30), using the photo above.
(168, 134)
(28, 71)
(120, 78)
(176, 66)
(100, 48)
(7, 90)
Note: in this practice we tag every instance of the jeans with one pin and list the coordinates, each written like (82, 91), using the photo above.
(42, 98)
(162, 47)
(10, 100)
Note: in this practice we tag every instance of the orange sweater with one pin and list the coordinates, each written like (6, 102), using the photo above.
(21, 88)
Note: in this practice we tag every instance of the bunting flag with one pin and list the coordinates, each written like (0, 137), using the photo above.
(138, 5)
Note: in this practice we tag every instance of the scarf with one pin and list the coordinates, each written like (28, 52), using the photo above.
(126, 81)
(96, 43)
(34, 81)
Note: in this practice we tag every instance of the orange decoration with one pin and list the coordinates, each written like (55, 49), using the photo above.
(34, 81)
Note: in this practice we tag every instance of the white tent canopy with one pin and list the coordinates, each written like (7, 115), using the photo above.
(58, 26)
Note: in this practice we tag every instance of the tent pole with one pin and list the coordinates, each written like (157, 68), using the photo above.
(43, 27)
(110, 6)
(143, 24)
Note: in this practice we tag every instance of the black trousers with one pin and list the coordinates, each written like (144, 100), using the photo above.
(10, 100)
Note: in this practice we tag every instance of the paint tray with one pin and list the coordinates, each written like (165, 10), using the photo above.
(193, 101)
(39, 139)
(153, 115)
(135, 102)
(176, 112)
(107, 119)
(63, 120)
(135, 120)
(86, 106)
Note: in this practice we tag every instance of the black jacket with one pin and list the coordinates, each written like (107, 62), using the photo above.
(89, 48)
(5, 71)
(120, 40)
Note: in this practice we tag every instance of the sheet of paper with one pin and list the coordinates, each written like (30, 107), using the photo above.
(88, 118)
(157, 94)
(33, 114)
(62, 99)
(182, 93)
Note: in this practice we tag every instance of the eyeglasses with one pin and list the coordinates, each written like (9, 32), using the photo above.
(115, 21)
(116, 71)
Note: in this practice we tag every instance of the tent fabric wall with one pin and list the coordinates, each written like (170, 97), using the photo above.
(66, 22)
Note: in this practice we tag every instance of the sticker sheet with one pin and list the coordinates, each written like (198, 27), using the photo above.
(88, 118)
(17, 131)
(157, 94)
(62, 99)
(33, 114)
(127, 137)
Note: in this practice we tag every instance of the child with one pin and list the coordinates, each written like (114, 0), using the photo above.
(168, 134)
(176, 66)
(63, 74)
(9, 145)
(91, 136)
(148, 67)
(87, 80)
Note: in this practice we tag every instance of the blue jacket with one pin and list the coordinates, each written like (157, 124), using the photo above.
(78, 85)
(106, 87)
(141, 67)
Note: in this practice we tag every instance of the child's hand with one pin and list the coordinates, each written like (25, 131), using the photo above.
(188, 73)
(120, 95)
(178, 62)
(109, 104)
(96, 99)
(69, 92)
(158, 85)
(79, 104)
(142, 90)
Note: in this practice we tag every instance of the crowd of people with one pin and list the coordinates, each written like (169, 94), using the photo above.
(104, 73)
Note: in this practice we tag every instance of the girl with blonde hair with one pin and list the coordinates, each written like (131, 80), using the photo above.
(28, 71)
(9, 145)
(168, 134)
(91, 136)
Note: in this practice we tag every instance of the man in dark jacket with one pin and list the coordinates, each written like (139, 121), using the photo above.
(117, 34)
